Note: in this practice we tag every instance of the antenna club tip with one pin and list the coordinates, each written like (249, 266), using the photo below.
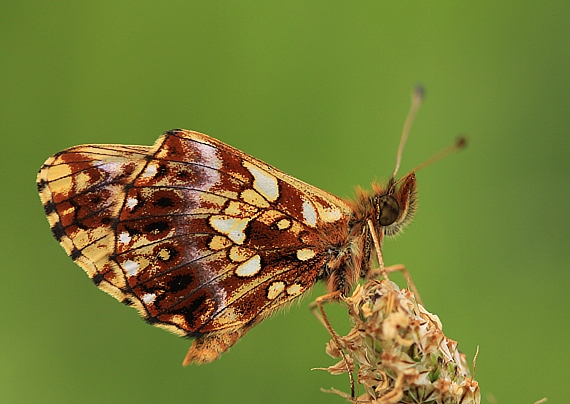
(419, 92)
(461, 142)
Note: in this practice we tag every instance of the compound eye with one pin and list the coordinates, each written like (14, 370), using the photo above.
(388, 210)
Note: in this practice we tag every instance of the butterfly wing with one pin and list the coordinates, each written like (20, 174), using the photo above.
(203, 239)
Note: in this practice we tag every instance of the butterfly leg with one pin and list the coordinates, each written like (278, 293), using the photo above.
(322, 317)
(398, 268)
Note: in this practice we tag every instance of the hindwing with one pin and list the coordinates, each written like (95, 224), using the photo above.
(201, 238)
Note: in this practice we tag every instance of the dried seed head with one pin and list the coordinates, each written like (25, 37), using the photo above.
(400, 352)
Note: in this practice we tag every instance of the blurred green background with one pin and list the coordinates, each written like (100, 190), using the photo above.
(320, 90)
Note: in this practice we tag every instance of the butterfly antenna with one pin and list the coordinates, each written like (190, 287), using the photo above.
(417, 98)
(459, 144)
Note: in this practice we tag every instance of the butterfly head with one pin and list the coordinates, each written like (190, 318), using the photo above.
(395, 205)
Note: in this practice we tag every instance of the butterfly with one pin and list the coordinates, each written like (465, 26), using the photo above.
(205, 240)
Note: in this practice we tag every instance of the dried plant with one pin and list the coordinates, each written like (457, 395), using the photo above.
(399, 352)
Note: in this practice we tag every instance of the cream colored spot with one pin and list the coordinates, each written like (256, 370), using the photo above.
(100, 244)
(131, 202)
(82, 181)
(309, 213)
(61, 186)
(209, 203)
(81, 238)
(253, 198)
(131, 267)
(294, 289)
(148, 298)
(150, 170)
(57, 172)
(68, 211)
(250, 267)
(236, 208)
(240, 254)
(230, 226)
(228, 316)
(275, 289)
(283, 224)
(124, 238)
(263, 182)
(164, 254)
(95, 253)
(219, 243)
(330, 214)
(305, 254)
(178, 319)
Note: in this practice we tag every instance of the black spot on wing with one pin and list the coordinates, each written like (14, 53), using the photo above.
(41, 184)
(127, 302)
(49, 208)
(164, 202)
(58, 231)
(156, 227)
(75, 254)
(97, 279)
(180, 282)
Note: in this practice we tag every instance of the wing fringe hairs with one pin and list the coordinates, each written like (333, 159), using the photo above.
(399, 351)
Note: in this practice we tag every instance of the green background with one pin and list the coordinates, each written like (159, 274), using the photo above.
(320, 90)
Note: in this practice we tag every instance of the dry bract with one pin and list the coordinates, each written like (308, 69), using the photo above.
(400, 352)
